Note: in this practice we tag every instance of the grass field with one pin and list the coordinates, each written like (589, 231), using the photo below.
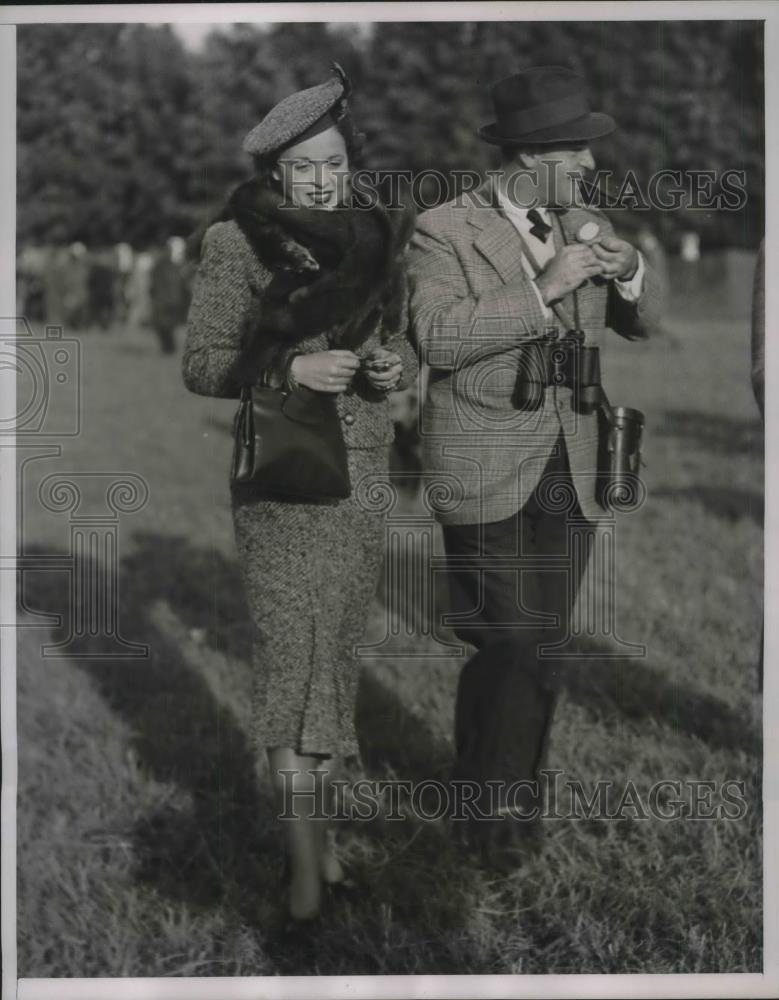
(147, 847)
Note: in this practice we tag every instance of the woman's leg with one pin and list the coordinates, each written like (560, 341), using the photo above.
(299, 795)
(330, 867)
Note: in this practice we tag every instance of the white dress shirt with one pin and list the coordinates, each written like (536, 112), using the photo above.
(543, 252)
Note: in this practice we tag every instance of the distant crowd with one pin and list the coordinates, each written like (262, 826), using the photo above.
(85, 289)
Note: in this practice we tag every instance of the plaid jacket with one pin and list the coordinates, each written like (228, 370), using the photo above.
(472, 303)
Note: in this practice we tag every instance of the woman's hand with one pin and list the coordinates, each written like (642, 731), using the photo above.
(384, 369)
(325, 371)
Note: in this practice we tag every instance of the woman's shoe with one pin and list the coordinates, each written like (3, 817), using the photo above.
(303, 928)
(297, 943)
(291, 920)
(343, 888)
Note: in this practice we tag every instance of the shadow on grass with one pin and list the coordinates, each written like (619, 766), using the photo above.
(718, 433)
(635, 689)
(180, 735)
(392, 739)
(730, 504)
(225, 851)
(605, 684)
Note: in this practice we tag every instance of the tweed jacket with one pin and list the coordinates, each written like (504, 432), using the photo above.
(227, 292)
(472, 303)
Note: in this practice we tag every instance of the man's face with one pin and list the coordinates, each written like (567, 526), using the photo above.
(313, 173)
(560, 172)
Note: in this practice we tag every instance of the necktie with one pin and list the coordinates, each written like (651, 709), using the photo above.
(539, 228)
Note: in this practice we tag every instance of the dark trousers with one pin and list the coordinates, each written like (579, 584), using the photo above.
(512, 585)
(166, 334)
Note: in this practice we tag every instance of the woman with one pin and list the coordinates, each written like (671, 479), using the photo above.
(300, 284)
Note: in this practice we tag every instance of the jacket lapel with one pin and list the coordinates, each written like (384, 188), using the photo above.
(589, 297)
(557, 223)
(500, 246)
(497, 240)
(561, 236)
(571, 221)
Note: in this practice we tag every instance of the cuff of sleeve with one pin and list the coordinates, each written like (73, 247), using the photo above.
(548, 314)
(289, 381)
(272, 372)
(631, 290)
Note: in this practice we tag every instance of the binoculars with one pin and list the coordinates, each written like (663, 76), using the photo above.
(566, 362)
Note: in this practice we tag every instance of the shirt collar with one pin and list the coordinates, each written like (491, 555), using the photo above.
(514, 210)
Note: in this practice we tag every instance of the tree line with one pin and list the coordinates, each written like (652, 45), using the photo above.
(124, 135)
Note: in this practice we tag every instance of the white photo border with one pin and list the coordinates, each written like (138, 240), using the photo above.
(727, 985)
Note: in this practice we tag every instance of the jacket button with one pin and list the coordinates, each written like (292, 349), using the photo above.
(349, 419)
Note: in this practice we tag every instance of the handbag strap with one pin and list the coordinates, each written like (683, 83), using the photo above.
(242, 422)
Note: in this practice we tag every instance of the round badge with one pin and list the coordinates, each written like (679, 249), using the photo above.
(588, 233)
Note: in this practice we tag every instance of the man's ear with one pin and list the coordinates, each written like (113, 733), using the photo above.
(527, 160)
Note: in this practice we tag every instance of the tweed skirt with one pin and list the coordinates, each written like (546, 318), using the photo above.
(310, 574)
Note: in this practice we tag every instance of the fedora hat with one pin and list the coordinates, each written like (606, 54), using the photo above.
(544, 105)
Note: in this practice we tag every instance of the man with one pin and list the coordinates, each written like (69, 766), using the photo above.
(168, 293)
(758, 387)
(490, 272)
(758, 330)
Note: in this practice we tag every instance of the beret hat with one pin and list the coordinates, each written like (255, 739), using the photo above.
(301, 115)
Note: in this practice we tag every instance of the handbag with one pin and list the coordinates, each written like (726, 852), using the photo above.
(288, 444)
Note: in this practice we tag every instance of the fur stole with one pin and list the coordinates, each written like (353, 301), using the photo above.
(335, 272)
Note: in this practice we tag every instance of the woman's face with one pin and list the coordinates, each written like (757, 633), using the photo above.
(314, 173)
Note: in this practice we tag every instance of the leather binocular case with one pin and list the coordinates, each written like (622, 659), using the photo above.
(563, 362)
(625, 430)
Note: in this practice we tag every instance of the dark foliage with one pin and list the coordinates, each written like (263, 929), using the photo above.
(125, 135)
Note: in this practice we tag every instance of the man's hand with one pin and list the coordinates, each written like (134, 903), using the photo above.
(618, 259)
(568, 269)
